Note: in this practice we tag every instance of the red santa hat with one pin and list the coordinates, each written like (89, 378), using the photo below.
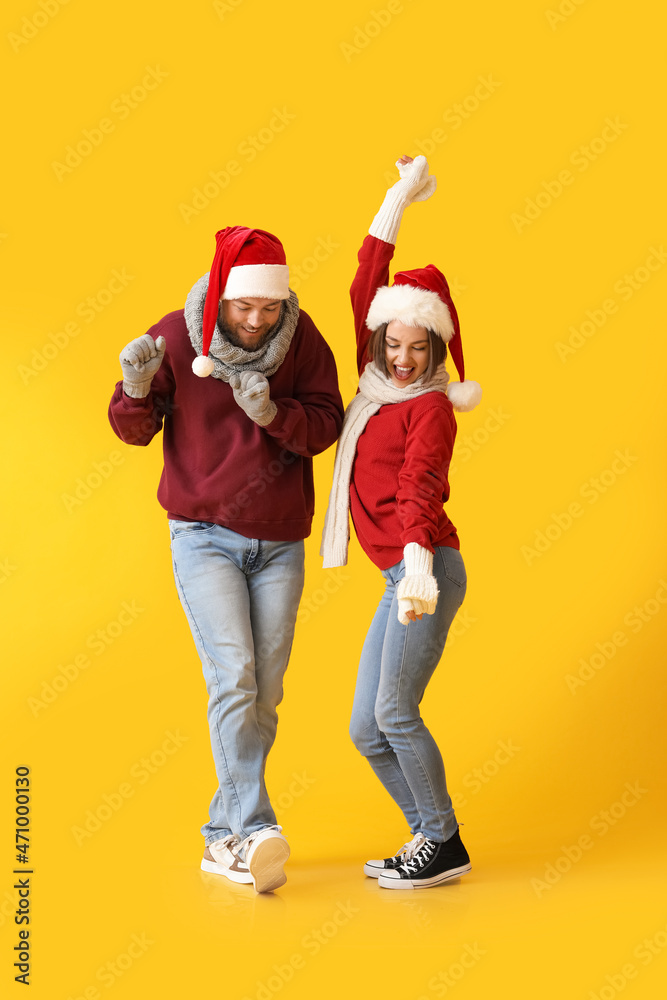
(248, 263)
(421, 298)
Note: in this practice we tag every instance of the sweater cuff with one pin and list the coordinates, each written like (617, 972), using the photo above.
(421, 589)
(387, 222)
(137, 390)
(418, 560)
(267, 416)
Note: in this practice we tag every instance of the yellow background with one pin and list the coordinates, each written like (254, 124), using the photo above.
(355, 89)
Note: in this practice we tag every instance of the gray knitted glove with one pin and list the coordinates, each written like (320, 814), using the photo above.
(140, 360)
(415, 185)
(253, 394)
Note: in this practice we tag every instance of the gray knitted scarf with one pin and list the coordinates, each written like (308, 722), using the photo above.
(228, 359)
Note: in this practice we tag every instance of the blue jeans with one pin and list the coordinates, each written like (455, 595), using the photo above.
(241, 597)
(397, 662)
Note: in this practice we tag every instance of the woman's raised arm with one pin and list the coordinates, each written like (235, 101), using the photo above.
(376, 252)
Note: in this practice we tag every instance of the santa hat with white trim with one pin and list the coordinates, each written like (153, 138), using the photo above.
(421, 298)
(248, 263)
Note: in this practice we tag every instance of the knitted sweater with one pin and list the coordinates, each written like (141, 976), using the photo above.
(399, 477)
(219, 465)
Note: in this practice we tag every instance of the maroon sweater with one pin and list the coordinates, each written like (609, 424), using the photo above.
(219, 465)
(399, 477)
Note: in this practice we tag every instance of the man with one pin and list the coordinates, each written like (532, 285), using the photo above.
(237, 485)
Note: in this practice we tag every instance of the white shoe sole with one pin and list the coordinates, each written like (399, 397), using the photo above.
(266, 860)
(243, 878)
(424, 883)
(372, 871)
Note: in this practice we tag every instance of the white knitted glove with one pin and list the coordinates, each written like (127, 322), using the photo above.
(140, 360)
(415, 185)
(418, 590)
(253, 394)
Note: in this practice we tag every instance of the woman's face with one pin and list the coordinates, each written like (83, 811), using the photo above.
(407, 352)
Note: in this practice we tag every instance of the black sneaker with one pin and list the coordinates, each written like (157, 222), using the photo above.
(433, 864)
(375, 868)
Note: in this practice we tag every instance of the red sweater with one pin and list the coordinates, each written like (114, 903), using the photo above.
(219, 465)
(399, 477)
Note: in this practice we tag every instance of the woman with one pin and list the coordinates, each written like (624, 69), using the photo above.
(391, 469)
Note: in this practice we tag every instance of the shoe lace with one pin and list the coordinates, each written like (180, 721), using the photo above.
(227, 841)
(408, 851)
(420, 859)
(245, 844)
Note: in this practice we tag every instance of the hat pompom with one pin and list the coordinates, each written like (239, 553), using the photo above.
(464, 396)
(202, 366)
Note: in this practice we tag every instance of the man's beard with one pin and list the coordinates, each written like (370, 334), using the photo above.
(230, 335)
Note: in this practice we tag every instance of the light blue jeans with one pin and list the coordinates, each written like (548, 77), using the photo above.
(397, 662)
(241, 597)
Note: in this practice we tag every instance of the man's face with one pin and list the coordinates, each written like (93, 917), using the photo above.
(249, 323)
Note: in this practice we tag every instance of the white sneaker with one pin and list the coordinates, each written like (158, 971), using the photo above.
(266, 851)
(376, 868)
(221, 858)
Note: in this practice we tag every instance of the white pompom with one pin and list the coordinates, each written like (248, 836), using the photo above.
(464, 396)
(202, 366)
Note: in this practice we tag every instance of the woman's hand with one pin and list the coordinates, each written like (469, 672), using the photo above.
(414, 184)
(415, 180)
(417, 592)
(411, 611)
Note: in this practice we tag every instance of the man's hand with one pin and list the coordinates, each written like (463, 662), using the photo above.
(253, 394)
(140, 360)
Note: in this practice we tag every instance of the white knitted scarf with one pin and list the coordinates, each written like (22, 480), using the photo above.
(228, 359)
(375, 390)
